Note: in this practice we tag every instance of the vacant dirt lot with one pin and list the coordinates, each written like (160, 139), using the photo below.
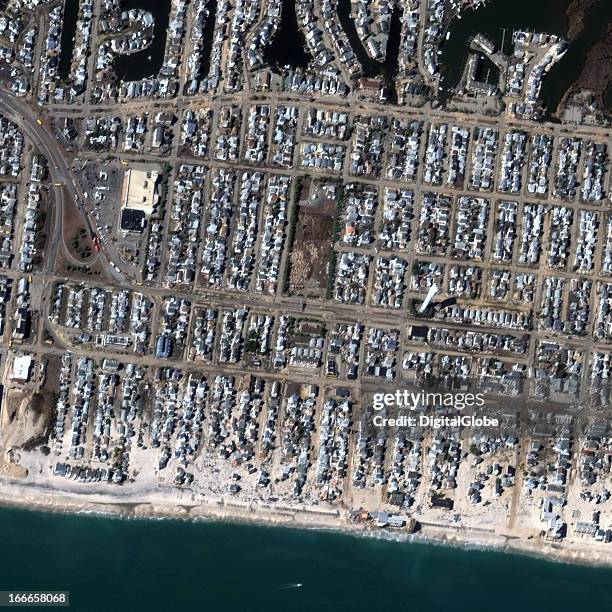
(312, 246)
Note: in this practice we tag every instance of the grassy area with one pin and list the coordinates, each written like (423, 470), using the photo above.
(293, 219)
(333, 259)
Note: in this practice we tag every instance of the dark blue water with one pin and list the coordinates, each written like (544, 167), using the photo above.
(539, 15)
(288, 47)
(146, 63)
(71, 14)
(563, 74)
(111, 564)
(371, 68)
(208, 34)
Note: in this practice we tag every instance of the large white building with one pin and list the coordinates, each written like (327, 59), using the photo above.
(138, 197)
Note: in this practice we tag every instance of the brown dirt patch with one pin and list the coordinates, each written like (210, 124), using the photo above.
(312, 247)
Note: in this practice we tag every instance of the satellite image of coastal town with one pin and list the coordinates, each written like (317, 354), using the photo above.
(339, 265)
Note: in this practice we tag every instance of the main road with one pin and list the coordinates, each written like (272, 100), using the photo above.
(28, 121)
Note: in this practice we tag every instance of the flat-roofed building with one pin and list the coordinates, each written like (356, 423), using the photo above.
(21, 368)
(138, 197)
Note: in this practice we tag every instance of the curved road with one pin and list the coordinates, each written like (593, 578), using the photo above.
(26, 119)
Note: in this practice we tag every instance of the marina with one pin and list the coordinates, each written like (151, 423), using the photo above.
(494, 21)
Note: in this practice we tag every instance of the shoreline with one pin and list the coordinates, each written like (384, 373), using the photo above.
(66, 502)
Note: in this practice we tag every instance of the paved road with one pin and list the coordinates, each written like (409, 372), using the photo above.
(26, 119)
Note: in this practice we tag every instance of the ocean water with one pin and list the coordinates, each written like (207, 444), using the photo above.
(114, 564)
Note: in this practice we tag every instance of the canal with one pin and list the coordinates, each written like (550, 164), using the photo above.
(288, 47)
(207, 37)
(69, 22)
(386, 70)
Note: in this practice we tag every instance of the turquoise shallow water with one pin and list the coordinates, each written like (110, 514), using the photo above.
(113, 564)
